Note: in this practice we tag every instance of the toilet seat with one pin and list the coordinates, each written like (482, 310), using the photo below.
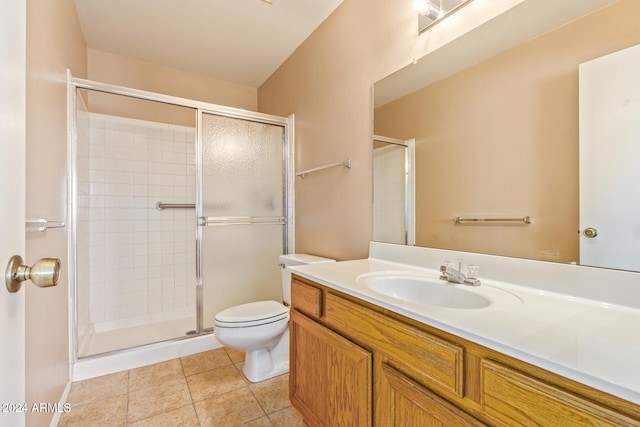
(251, 314)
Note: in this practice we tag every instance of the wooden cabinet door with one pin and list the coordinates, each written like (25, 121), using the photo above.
(330, 377)
(403, 402)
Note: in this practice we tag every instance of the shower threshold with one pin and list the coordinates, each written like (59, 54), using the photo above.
(93, 343)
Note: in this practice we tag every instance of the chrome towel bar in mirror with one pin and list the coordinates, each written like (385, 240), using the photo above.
(460, 220)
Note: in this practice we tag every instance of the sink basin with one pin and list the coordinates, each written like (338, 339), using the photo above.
(424, 290)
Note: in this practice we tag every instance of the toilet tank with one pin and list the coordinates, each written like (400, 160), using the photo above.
(289, 260)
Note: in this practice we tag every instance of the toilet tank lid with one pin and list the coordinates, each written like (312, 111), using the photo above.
(301, 259)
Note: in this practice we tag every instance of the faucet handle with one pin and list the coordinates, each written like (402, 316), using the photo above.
(472, 271)
(444, 270)
(446, 265)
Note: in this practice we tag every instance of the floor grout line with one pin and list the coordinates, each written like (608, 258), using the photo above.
(200, 363)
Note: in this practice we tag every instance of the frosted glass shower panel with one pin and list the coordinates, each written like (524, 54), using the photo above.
(243, 212)
(243, 167)
(389, 194)
(241, 266)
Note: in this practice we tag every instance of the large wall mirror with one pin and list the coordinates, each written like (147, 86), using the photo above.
(497, 124)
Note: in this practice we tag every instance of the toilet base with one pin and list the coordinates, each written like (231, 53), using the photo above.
(260, 365)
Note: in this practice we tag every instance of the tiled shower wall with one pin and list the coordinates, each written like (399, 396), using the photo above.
(141, 261)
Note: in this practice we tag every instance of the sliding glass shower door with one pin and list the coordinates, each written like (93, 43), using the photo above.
(242, 211)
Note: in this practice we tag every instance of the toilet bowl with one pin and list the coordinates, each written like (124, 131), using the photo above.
(261, 329)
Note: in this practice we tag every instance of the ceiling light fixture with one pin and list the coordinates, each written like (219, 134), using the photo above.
(425, 8)
(430, 12)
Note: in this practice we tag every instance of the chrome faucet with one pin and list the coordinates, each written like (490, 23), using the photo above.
(450, 274)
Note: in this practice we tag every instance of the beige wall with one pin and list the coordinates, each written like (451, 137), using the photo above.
(54, 43)
(114, 69)
(501, 139)
(327, 83)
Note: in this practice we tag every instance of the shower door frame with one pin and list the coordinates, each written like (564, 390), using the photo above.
(199, 107)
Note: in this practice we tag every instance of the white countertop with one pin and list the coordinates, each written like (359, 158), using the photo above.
(594, 343)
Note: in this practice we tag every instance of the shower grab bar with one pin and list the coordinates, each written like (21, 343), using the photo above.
(160, 206)
(242, 220)
(43, 224)
(346, 163)
(459, 220)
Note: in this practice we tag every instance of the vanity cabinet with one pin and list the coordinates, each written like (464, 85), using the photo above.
(354, 363)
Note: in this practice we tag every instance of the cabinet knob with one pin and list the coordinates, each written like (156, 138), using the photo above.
(590, 232)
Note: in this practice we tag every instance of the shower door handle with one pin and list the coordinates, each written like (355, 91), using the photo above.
(242, 220)
(43, 273)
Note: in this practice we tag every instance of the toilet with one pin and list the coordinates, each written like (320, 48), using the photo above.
(261, 329)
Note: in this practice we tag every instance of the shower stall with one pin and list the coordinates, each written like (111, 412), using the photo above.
(177, 209)
(394, 190)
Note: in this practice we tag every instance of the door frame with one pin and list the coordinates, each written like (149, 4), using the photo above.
(12, 187)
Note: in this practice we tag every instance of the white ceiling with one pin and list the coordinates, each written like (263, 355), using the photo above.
(238, 41)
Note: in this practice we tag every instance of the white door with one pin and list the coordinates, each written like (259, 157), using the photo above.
(12, 210)
(610, 160)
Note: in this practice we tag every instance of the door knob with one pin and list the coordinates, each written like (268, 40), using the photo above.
(43, 273)
(590, 232)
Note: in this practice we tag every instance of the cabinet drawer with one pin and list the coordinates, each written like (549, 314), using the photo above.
(521, 400)
(424, 355)
(306, 298)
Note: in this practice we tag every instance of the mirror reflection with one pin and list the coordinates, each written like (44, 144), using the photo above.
(501, 139)
(394, 190)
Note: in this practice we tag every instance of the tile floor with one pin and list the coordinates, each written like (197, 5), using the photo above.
(204, 389)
